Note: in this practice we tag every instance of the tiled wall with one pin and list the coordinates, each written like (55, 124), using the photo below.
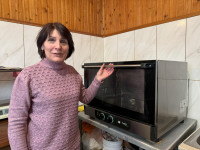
(177, 40)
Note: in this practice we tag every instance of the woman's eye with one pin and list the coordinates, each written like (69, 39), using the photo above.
(63, 42)
(51, 40)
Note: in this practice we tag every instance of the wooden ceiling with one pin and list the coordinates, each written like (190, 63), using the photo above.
(98, 17)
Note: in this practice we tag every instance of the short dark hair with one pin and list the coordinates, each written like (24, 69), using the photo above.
(46, 31)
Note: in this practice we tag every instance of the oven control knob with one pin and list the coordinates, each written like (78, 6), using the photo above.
(110, 119)
(101, 116)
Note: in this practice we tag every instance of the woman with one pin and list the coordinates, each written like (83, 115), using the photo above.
(43, 113)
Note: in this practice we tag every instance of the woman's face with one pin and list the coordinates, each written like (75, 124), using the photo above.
(56, 48)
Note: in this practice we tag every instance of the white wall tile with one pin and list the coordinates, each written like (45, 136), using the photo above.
(11, 41)
(145, 43)
(110, 48)
(125, 46)
(31, 50)
(194, 101)
(97, 49)
(82, 51)
(193, 47)
(171, 40)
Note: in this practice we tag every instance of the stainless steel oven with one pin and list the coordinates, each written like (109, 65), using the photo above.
(147, 98)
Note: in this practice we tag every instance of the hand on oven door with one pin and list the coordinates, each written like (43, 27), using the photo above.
(104, 72)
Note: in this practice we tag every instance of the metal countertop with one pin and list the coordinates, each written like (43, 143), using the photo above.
(171, 140)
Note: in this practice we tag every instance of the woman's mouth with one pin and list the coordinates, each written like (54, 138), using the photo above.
(58, 54)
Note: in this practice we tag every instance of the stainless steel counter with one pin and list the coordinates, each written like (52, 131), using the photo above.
(170, 141)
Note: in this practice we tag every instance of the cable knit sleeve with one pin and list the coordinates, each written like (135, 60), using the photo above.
(18, 113)
(88, 94)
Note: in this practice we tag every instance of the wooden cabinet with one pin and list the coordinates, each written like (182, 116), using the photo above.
(134, 14)
(98, 17)
(4, 133)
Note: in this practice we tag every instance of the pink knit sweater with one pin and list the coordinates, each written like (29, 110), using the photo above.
(43, 113)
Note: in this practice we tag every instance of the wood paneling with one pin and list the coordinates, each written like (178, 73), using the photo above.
(3, 133)
(98, 17)
(169, 9)
(126, 15)
(83, 16)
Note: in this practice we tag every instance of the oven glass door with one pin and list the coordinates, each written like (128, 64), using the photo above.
(128, 92)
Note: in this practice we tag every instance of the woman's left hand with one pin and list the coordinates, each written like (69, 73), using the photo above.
(104, 72)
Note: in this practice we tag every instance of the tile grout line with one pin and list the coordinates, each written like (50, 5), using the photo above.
(186, 39)
(24, 46)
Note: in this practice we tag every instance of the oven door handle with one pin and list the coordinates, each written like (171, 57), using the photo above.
(114, 66)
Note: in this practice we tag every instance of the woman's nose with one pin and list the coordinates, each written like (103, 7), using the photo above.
(58, 45)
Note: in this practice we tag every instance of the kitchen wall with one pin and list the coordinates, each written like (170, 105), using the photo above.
(178, 40)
